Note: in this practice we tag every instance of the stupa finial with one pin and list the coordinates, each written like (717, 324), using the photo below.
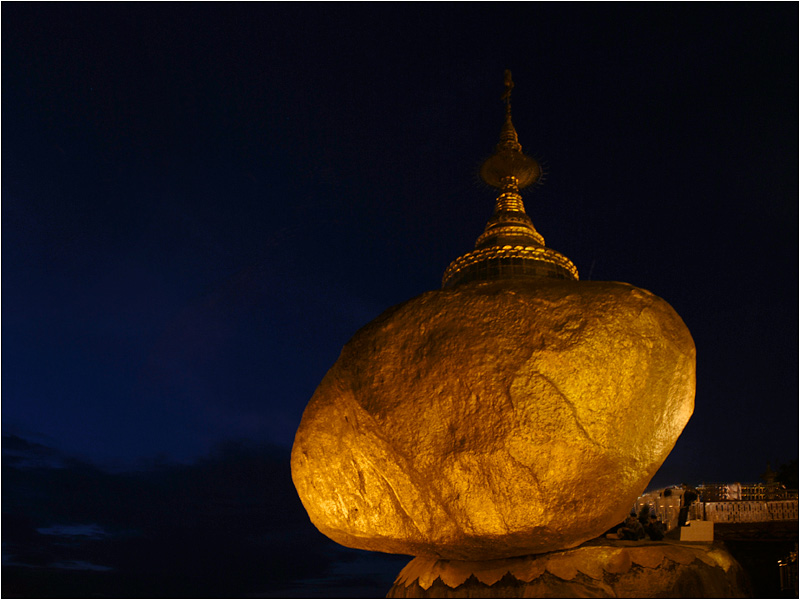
(508, 159)
(509, 247)
(509, 83)
(508, 135)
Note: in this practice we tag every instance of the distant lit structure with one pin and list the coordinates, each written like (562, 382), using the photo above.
(719, 492)
(724, 503)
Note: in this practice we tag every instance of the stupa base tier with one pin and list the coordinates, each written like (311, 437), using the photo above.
(597, 569)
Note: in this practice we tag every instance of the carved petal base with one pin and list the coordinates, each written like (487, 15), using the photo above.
(595, 570)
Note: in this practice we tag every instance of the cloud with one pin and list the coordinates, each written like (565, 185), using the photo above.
(228, 525)
(21, 453)
(91, 531)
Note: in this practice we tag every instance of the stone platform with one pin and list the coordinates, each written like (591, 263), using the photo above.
(597, 569)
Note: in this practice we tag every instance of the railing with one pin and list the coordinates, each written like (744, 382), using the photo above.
(745, 511)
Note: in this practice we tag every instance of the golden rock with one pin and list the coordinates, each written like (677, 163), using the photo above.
(495, 419)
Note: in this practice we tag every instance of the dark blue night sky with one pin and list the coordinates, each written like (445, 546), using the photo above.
(201, 203)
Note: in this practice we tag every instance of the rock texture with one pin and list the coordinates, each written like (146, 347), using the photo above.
(597, 570)
(495, 419)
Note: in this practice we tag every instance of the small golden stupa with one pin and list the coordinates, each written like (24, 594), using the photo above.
(510, 247)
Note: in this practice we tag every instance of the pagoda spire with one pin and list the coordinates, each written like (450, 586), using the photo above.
(508, 159)
(509, 247)
(508, 135)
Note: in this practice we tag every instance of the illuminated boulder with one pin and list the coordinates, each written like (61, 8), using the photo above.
(515, 411)
(495, 419)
